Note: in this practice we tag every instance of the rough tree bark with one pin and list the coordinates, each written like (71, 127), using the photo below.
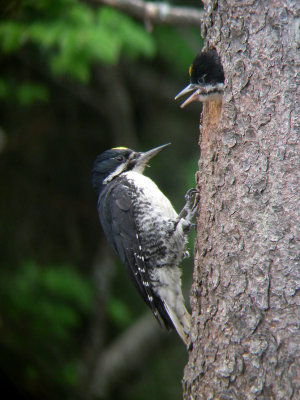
(245, 341)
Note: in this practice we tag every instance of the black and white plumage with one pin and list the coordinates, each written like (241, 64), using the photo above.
(206, 78)
(145, 231)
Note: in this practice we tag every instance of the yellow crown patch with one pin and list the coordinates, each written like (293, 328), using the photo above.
(119, 148)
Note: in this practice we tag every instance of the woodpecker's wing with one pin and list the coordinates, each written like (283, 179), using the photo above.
(116, 212)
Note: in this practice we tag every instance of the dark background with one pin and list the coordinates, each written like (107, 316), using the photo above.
(75, 80)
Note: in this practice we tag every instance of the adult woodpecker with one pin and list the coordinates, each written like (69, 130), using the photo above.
(146, 232)
(206, 78)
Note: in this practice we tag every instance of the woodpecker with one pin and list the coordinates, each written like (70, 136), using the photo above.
(206, 78)
(148, 235)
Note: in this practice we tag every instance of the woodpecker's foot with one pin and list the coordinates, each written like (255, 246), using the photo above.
(186, 225)
(186, 215)
(189, 210)
(191, 198)
(192, 201)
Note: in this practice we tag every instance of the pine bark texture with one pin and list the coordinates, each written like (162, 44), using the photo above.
(245, 341)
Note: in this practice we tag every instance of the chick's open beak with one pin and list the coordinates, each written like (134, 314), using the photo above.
(191, 98)
(186, 90)
(189, 88)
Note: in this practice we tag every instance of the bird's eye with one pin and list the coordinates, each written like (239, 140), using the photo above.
(119, 158)
(202, 79)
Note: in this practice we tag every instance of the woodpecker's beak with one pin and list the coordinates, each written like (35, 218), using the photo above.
(143, 158)
(193, 97)
(186, 90)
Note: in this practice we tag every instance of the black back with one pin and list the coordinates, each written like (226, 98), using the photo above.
(117, 218)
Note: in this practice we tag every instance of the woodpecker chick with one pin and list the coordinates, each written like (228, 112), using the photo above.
(146, 232)
(206, 78)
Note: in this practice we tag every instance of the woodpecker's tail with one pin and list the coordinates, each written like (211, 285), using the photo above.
(181, 320)
(166, 283)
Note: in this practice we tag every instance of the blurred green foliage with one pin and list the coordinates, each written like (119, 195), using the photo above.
(71, 37)
(23, 93)
(118, 312)
(59, 61)
(74, 35)
(46, 306)
(177, 47)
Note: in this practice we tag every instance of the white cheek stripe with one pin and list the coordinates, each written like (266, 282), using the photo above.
(121, 168)
(116, 172)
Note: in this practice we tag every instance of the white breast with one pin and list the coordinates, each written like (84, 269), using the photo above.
(149, 190)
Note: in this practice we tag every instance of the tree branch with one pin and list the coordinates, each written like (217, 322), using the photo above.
(157, 13)
(126, 354)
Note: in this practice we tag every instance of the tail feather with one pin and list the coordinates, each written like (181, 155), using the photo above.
(161, 313)
(166, 283)
(182, 324)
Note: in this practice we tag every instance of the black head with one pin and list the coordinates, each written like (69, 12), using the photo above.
(111, 163)
(206, 69)
(206, 77)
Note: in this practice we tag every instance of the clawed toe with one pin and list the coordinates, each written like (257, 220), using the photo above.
(191, 193)
(189, 210)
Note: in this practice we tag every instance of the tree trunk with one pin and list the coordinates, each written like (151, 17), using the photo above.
(245, 295)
